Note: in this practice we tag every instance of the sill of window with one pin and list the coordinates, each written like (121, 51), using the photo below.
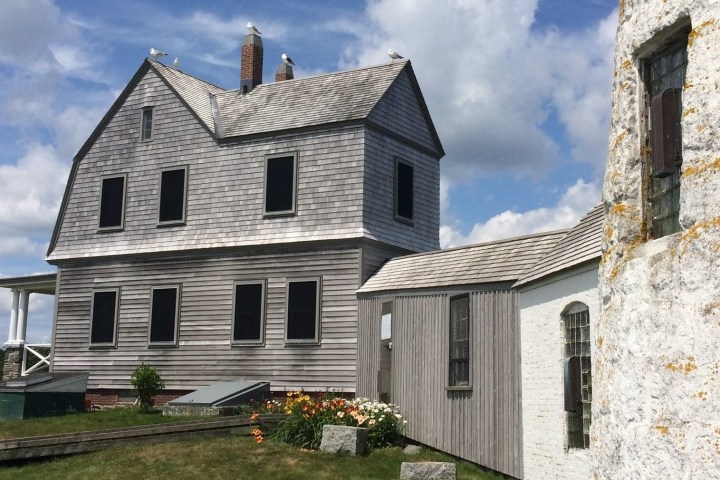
(174, 223)
(464, 388)
(247, 344)
(278, 214)
(659, 245)
(162, 345)
(110, 229)
(101, 346)
(404, 220)
(300, 343)
(146, 140)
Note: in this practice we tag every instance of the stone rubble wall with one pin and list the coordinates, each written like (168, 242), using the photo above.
(656, 372)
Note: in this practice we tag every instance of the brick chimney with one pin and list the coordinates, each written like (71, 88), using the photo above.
(251, 62)
(284, 72)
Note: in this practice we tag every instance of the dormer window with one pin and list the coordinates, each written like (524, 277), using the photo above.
(280, 184)
(146, 129)
(173, 189)
(111, 214)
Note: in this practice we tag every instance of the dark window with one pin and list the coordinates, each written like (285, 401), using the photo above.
(280, 184)
(459, 341)
(404, 191)
(163, 316)
(112, 202)
(147, 122)
(104, 317)
(172, 196)
(302, 311)
(664, 79)
(248, 315)
(578, 379)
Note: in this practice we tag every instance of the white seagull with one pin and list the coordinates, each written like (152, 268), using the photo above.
(157, 53)
(394, 55)
(252, 29)
(287, 60)
(176, 63)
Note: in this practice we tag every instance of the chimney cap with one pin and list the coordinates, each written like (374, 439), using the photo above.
(253, 39)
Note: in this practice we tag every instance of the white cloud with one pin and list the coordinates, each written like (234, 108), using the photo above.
(575, 202)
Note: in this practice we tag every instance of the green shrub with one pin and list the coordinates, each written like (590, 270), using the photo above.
(307, 416)
(146, 383)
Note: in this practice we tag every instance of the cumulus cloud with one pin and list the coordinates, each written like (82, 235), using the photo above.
(574, 203)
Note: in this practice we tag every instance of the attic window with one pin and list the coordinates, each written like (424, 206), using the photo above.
(303, 311)
(146, 130)
(664, 80)
(173, 188)
(248, 313)
(112, 203)
(280, 184)
(103, 322)
(164, 315)
(404, 191)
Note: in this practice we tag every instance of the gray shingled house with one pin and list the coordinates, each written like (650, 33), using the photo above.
(221, 234)
(438, 333)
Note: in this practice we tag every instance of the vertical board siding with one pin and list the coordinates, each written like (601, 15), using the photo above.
(482, 425)
(204, 353)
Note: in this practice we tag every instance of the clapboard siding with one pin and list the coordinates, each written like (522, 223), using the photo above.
(482, 425)
(204, 353)
(379, 195)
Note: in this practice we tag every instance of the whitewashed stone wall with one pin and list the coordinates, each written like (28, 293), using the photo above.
(656, 409)
(542, 351)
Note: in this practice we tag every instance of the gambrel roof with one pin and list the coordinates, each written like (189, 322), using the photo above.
(492, 262)
(582, 244)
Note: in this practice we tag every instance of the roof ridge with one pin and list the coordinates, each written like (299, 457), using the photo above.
(155, 63)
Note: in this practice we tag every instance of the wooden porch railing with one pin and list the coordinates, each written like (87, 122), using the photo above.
(43, 361)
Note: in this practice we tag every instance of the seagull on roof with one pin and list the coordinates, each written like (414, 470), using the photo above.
(176, 63)
(394, 55)
(253, 29)
(157, 53)
(287, 60)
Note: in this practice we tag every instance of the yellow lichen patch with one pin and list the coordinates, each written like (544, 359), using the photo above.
(702, 168)
(685, 368)
(689, 111)
(699, 31)
(600, 342)
(662, 429)
(688, 84)
(689, 367)
(717, 430)
(618, 208)
(694, 232)
(618, 139)
(701, 127)
(702, 395)
(626, 65)
(710, 309)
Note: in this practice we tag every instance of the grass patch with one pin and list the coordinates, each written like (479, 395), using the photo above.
(230, 457)
(81, 422)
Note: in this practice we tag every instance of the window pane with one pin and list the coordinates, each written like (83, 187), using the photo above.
(147, 116)
(103, 317)
(577, 344)
(248, 312)
(404, 190)
(302, 310)
(164, 314)
(172, 195)
(280, 184)
(460, 341)
(111, 202)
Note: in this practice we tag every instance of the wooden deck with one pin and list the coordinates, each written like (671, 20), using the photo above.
(30, 448)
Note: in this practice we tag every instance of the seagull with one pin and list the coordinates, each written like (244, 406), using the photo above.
(394, 55)
(157, 53)
(252, 29)
(287, 60)
(176, 63)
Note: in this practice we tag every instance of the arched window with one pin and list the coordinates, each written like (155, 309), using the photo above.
(578, 379)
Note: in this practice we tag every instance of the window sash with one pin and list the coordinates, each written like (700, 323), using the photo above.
(280, 193)
(146, 124)
(577, 344)
(164, 315)
(248, 313)
(173, 194)
(303, 297)
(103, 317)
(459, 355)
(404, 190)
(111, 208)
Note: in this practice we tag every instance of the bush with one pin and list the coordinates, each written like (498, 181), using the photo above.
(307, 416)
(146, 383)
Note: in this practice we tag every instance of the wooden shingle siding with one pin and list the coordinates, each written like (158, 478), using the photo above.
(482, 425)
(204, 353)
(379, 195)
(399, 111)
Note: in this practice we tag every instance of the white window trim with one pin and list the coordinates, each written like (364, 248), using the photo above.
(178, 295)
(318, 311)
(183, 219)
(396, 192)
(293, 210)
(260, 341)
(112, 228)
(112, 344)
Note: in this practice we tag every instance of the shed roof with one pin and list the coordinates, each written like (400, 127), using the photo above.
(492, 262)
(582, 243)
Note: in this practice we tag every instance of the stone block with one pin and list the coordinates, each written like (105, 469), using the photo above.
(412, 449)
(341, 439)
(428, 471)
(12, 362)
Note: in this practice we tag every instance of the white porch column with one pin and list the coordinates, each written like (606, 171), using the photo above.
(22, 317)
(12, 331)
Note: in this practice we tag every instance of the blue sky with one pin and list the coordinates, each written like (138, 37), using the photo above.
(519, 91)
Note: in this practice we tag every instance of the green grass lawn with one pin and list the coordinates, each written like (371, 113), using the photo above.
(229, 457)
(80, 422)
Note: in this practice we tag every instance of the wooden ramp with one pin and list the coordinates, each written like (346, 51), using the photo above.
(28, 448)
